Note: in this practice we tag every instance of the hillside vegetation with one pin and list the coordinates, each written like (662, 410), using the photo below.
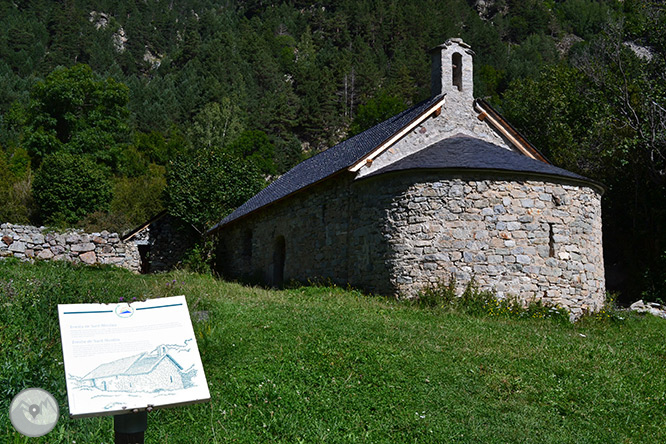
(326, 365)
(111, 111)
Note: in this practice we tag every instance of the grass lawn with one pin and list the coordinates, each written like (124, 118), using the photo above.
(318, 364)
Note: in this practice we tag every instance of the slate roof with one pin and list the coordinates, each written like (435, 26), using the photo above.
(328, 162)
(469, 153)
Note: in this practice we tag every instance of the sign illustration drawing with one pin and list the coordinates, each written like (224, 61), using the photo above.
(153, 372)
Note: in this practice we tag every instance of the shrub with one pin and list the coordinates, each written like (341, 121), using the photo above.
(137, 199)
(438, 295)
(609, 312)
(475, 301)
(200, 257)
(478, 302)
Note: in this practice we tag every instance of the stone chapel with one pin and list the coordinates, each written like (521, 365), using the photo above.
(447, 187)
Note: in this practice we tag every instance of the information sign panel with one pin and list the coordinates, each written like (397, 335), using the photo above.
(120, 357)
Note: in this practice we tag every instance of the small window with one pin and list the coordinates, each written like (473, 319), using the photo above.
(456, 61)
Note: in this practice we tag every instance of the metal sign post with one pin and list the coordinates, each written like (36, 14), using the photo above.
(130, 428)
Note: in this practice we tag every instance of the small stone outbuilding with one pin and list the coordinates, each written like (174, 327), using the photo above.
(447, 187)
(162, 242)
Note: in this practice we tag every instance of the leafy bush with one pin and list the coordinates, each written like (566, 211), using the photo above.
(6, 181)
(135, 200)
(438, 295)
(19, 162)
(15, 182)
(68, 187)
(475, 301)
(132, 163)
(139, 198)
(156, 147)
(20, 207)
(104, 220)
(73, 110)
(200, 257)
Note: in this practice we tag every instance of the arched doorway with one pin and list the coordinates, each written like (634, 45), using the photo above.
(279, 254)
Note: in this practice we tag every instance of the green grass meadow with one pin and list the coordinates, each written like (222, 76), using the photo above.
(325, 365)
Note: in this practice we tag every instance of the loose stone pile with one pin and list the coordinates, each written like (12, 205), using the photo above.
(650, 307)
(29, 243)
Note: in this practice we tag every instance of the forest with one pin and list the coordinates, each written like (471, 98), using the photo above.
(112, 111)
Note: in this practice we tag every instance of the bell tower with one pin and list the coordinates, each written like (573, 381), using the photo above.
(451, 72)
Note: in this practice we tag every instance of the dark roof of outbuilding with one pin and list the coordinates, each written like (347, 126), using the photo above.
(462, 152)
(329, 162)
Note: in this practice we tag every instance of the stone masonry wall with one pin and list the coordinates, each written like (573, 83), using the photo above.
(397, 233)
(532, 239)
(29, 243)
(326, 236)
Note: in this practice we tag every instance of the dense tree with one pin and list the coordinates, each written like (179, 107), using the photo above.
(633, 85)
(67, 187)
(375, 111)
(73, 111)
(562, 113)
(207, 185)
(67, 27)
(216, 125)
(256, 148)
(605, 117)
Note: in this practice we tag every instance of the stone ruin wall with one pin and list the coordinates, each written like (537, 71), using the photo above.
(532, 239)
(28, 243)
